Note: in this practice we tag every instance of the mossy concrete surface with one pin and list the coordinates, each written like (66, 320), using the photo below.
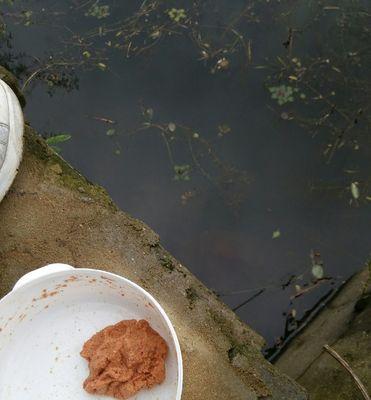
(346, 326)
(53, 214)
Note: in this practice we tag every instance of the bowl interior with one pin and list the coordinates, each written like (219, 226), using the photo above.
(44, 325)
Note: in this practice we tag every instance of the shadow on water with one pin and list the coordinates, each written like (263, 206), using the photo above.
(239, 132)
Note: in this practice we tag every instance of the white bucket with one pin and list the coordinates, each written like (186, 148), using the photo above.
(48, 316)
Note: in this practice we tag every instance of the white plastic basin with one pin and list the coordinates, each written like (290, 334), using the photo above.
(48, 316)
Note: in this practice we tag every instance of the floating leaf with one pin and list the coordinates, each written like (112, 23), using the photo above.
(177, 14)
(282, 94)
(63, 137)
(182, 172)
(155, 34)
(171, 127)
(317, 271)
(54, 140)
(149, 113)
(224, 129)
(186, 196)
(27, 15)
(354, 190)
(110, 132)
(102, 66)
(222, 64)
(276, 234)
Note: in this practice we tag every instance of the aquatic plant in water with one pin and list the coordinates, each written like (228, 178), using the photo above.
(332, 79)
(54, 140)
(98, 11)
(177, 14)
(283, 94)
(182, 172)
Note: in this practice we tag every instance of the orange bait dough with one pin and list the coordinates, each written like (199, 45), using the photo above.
(125, 358)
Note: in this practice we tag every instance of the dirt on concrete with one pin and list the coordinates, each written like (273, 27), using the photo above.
(53, 214)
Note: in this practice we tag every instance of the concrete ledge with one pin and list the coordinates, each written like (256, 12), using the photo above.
(345, 325)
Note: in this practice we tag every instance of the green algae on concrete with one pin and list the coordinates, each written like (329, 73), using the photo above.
(62, 171)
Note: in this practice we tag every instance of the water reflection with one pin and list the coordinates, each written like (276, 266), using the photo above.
(237, 131)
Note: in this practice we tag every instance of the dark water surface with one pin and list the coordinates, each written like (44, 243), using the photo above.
(248, 193)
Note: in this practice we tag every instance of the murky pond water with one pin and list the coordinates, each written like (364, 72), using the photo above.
(239, 131)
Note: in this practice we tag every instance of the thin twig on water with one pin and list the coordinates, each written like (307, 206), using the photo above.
(338, 358)
(248, 300)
